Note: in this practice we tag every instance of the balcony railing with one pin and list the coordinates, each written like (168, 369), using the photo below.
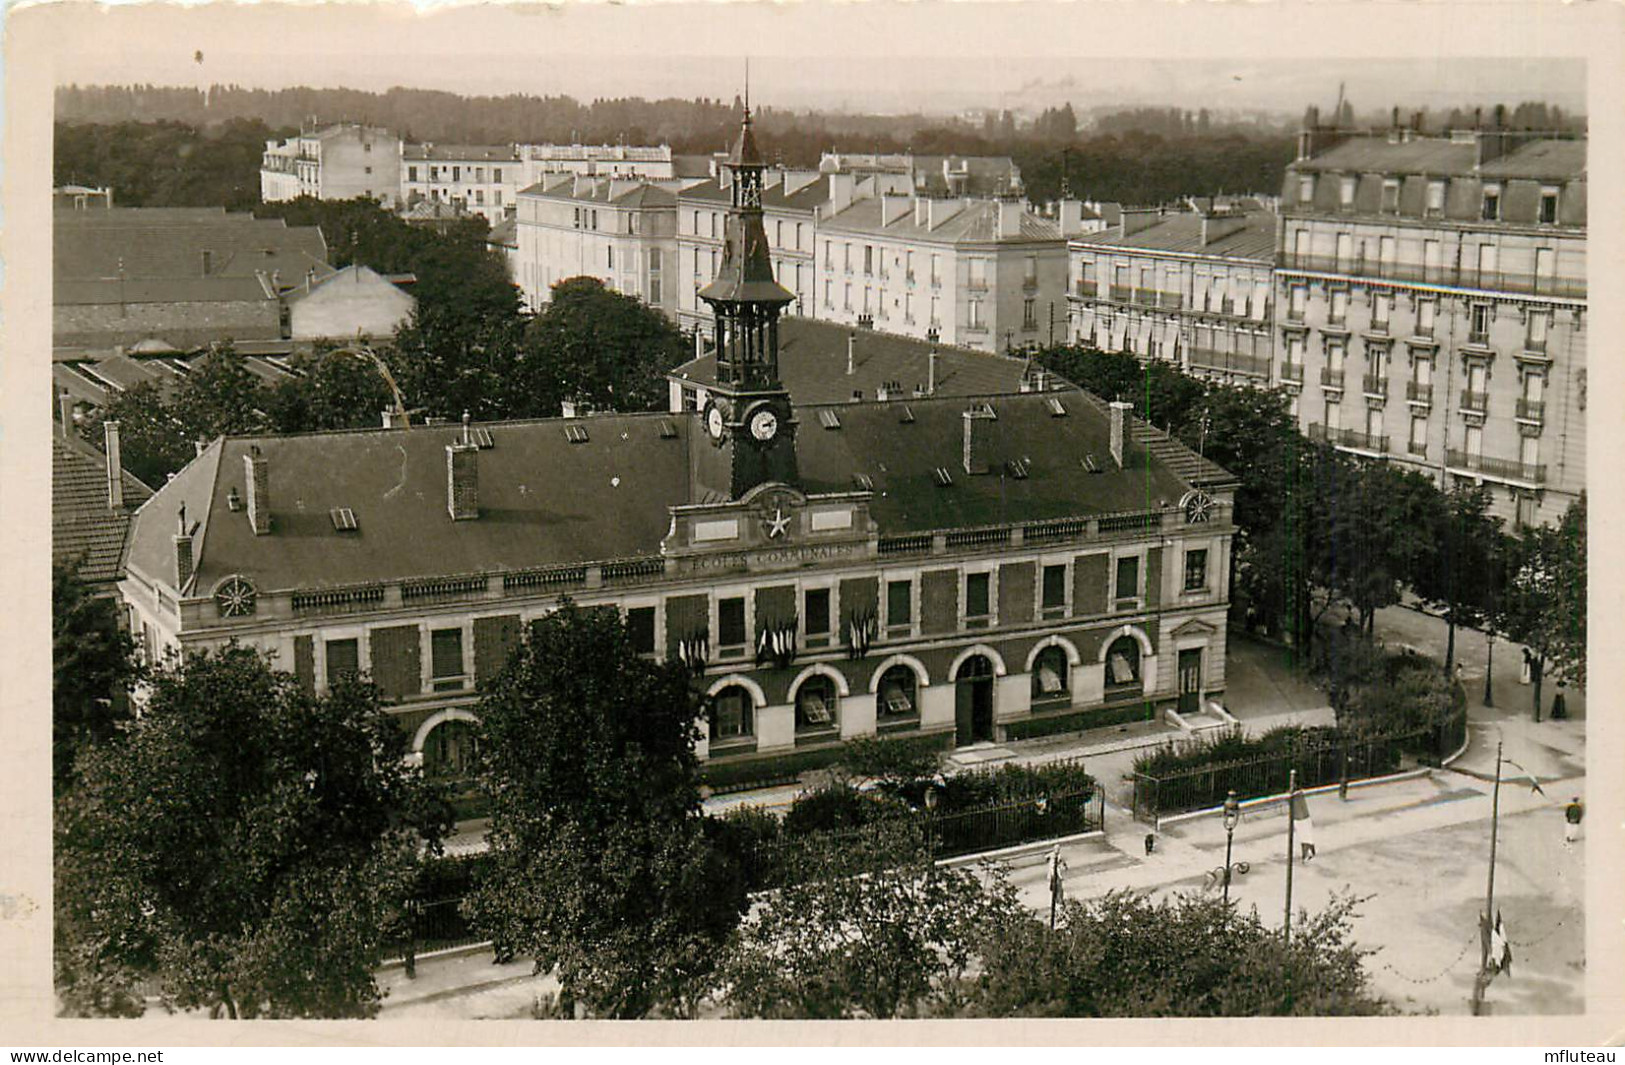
(1292, 371)
(1230, 361)
(1086, 289)
(1478, 337)
(1503, 468)
(1475, 402)
(1294, 314)
(1122, 293)
(1468, 277)
(1347, 438)
(1418, 448)
(1531, 410)
(1536, 346)
(976, 285)
(1417, 392)
(1374, 385)
(1331, 378)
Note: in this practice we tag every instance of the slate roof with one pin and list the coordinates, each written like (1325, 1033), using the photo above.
(1183, 233)
(83, 526)
(812, 364)
(547, 501)
(1547, 159)
(493, 153)
(805, 198)
(168, 243)
(504, 234)
(602, 190)
(976, 222)
(164, 290)
(691, 166)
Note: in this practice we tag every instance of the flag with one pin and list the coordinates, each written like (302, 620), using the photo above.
(1534, 785)
(1500, 949)
(1303, 826)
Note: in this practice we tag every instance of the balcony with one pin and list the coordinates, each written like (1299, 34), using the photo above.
(1469, 277)
(1294, 314)
(1475, 402)
(1532, 410)
(1418, 448)
(1352, 438)
(1375, 385)
(1379, 328)
(1292, 371)
(1229, 362)
(1122, 293)
(1417, 392)
(976, 284)
(1478, 338)
(1423, 332)
(1331, 378)
(1086, 289)
(1505, 469)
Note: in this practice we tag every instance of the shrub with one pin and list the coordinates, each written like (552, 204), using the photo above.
(893, 763)
(836, 808)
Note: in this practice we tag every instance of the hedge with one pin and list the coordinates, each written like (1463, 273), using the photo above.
(1082, 721)
(786, 768)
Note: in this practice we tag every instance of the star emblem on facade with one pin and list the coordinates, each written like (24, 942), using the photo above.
(777, 524)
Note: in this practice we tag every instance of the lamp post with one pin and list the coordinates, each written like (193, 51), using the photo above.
(1482, 980)
(1291, 845)
(1232, 817)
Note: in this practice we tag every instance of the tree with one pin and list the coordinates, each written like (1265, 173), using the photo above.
(152, 441)
(856, 938)
(602, 867)
(92, 668)
(1126, 956)
(333, 391)
(1458, 572)
(1544, 603)
(601, 348)
(220, 396)
(1368, 533)
(243, 847)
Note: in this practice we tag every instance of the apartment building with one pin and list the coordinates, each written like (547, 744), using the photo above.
(622, 231)
(338, 162)
(483, 179)
(646, 162)
(983, 274)
(941, 176)
(1431, 295)
(1191, 287)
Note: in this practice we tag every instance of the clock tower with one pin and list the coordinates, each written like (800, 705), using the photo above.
(748, 418)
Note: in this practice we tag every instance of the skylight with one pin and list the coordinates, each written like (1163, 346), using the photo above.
(482, 438)
(343, 519)
(864, 482)
(943, 478)
(576, 434)
(668, 431)
(1056, 409)
(908, 415)
(829, 419)
(1017, 468)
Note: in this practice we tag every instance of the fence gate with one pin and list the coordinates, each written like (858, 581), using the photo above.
(1145, 799)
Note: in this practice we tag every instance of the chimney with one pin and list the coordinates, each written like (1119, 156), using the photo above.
(463, 477)
(1142, 218)
(64, 408)
(892, 207)
(1119, 421)
(931, 372)
(392, 420)
(978, 437)
(257, 477)
(1009, 217)
(842, 187)
(1216, 225)
(183, 553)
(851, 354)
(115, 466)
(1071, 216)
(922, 210)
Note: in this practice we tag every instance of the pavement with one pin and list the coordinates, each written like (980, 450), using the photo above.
(1413, 850)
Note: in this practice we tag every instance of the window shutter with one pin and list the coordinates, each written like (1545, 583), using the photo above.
(397, 657)
(494, 640)
(860, 594)
(686, 615)
(304, 662)
(775, 605)
(1016, 592)
(939, 601)
(1089, 576)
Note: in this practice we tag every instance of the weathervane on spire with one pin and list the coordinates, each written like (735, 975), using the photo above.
(747, 86)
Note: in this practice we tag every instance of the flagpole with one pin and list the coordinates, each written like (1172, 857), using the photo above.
(1483, 980)
(1291, 851)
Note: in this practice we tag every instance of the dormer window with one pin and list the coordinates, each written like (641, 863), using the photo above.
(1306, 189)
(1492, 203)
(1548, 206)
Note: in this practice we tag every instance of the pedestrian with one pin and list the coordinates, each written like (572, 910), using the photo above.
(1303, 827)
(1573, 814)
(1524, 674)
(1560, 705)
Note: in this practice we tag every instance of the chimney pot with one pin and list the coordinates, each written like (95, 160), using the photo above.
(851, 353)
(115, 465)
(257, 478)
(183, 560)
(1119, 416)
(64, 409)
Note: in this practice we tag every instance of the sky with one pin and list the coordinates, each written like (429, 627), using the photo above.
(875, 57)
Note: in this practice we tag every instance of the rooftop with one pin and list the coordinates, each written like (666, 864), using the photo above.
(806, 195)
(83, 525)
(457, 153)
(1534, 158)
(812, 364)
(1182, 232)
(622, 192)
(547, 500)
(975, 222)
(145, 242)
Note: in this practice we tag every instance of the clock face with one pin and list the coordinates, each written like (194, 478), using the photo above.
(713, 422)
(763, 424)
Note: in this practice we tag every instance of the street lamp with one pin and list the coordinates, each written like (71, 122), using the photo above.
(1232, 818)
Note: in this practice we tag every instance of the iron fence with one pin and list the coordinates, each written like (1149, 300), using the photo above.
(1337, 758)
(430, 926)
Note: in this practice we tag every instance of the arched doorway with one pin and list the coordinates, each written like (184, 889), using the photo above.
(973, 701)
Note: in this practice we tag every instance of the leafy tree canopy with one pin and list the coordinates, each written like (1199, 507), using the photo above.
(243, 848)
(92, 667)
(603, 870)
(602, 348)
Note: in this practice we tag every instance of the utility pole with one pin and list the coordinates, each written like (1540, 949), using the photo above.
(1489, 665)
(1291, 850)
(1482, 981)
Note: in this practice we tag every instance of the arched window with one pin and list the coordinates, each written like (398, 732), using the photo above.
(1123, 663)
(896, 699)
(1050, 676)
(732, 714)
(451, 751)
(817, 705)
